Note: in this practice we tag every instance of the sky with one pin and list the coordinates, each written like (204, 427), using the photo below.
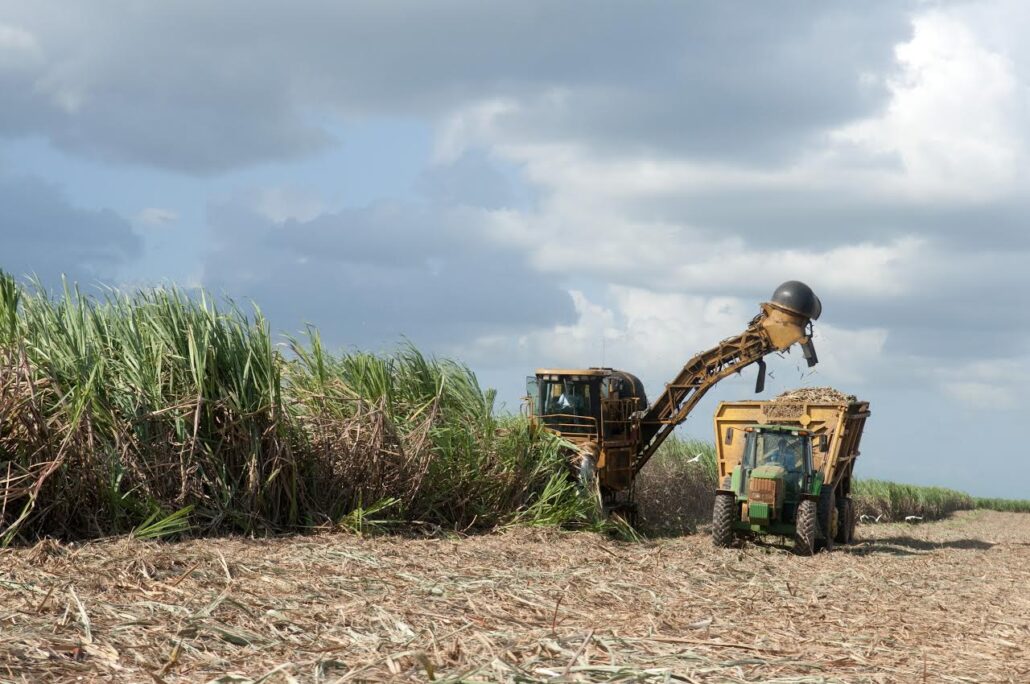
(529, 184)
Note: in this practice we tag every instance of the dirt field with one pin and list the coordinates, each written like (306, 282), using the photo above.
(947, 601)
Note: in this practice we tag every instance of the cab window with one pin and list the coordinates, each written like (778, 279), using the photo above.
(784, 450)
(566, 397)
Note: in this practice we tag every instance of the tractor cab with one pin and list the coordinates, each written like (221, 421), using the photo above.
(775, 472)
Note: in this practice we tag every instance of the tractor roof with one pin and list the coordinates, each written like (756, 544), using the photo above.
(780, 428)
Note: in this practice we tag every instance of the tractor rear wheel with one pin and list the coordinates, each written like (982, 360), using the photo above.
(845, 520)
(828, 520)
(723, 514)
(806, 528)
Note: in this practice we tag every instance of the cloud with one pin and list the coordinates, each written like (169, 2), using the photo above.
(370, 276)
(987, 385)
(654, 334)
(45, 236)
(204, 94)
(16, 44)
(156, 216)
(951, 128)
(288, 203)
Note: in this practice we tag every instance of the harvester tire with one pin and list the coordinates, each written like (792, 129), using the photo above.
(806, 528)
(723, 513)
(845, 521)
(827, 512)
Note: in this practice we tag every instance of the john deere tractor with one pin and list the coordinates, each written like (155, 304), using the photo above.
(786, 469)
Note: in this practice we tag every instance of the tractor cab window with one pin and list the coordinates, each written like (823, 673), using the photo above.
(790, 452)
(782, 449)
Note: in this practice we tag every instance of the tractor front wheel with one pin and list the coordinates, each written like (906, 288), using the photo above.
(845, 521)
(723, 514)
(806, 528)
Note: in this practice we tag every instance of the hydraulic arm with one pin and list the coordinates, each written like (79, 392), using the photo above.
(784, 321)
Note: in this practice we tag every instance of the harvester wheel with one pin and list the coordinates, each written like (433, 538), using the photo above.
(828, 521)
(806, 527)
(723, 514)
(845, 521)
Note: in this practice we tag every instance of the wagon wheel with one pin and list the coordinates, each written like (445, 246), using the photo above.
(828, 519)
(845, 521)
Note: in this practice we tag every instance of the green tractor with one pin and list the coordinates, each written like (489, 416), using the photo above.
(791, 477)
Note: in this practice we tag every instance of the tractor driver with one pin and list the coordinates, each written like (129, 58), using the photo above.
(786, 453)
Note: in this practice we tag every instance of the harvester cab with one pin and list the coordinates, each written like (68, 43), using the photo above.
(604, 412)
(591, 408)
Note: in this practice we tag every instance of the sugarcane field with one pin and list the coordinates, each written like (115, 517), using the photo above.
(521, 342)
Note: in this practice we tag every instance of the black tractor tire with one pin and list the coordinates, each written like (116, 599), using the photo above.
(724, 514)
(852, 522)
(845, 520)
(827, 513)
(806, 528)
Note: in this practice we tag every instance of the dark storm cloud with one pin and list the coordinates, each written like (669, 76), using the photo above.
(203, 87)
(366, 277)
(44, 236)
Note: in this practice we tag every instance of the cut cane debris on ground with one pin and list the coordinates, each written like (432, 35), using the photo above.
(936, 602)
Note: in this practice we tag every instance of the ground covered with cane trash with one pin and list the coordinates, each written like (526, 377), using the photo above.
(940, 601)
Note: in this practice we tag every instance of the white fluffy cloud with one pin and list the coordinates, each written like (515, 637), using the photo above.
(953, 128)
(653, 334)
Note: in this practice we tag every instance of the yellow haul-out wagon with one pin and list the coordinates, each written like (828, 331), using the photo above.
(785, 467)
